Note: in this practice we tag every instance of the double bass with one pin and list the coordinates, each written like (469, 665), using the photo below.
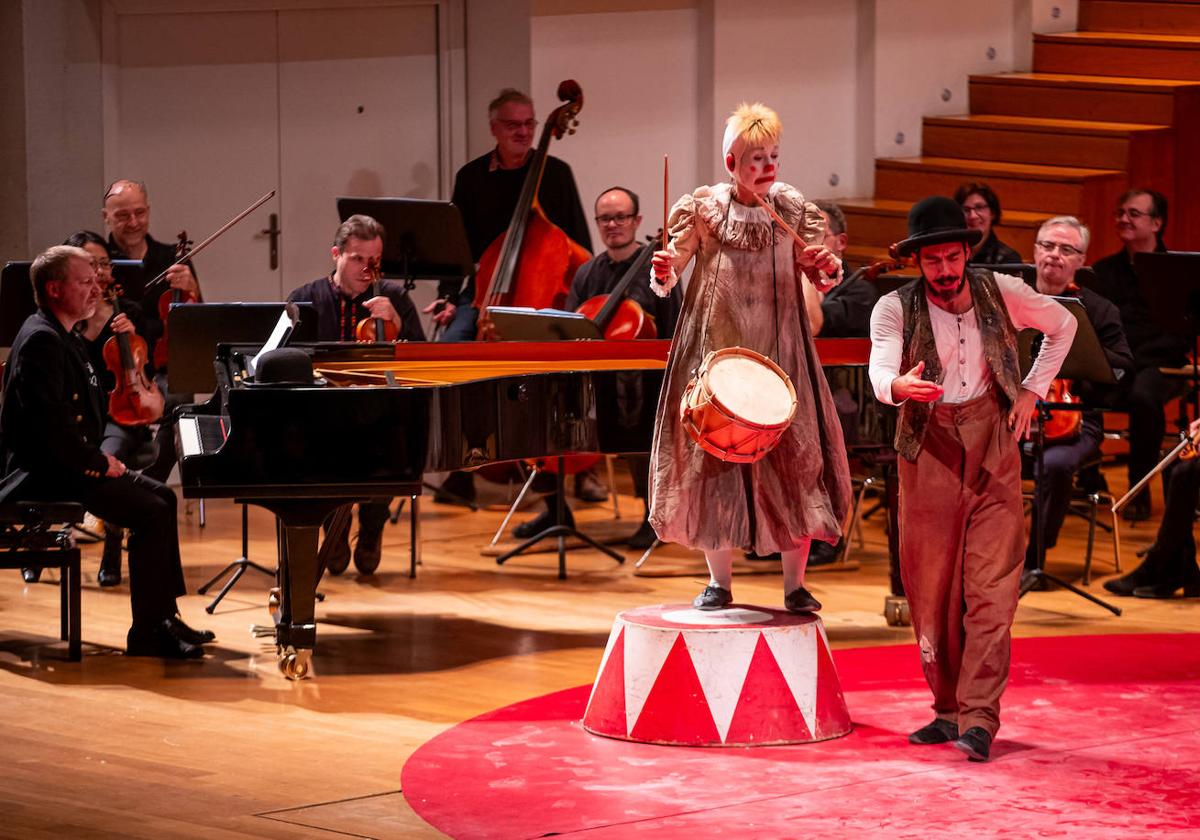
(533, 262)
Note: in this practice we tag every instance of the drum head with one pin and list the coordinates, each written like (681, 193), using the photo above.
(750, 389)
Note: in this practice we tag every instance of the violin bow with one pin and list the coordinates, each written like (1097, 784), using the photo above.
(213, 236)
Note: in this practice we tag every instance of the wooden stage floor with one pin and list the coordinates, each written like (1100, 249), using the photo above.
(228, 748)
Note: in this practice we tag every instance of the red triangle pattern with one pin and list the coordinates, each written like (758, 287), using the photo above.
(766, 712)
(606, 712)
(676, 711)
(832, 716)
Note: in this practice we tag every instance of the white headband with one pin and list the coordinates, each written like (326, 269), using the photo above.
(731, 136)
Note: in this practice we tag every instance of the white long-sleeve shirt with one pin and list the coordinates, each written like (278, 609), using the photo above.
(965, 371)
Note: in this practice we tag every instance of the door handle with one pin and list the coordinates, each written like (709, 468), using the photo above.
(272, 233)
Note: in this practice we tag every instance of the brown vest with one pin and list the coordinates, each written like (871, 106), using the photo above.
(999, 348)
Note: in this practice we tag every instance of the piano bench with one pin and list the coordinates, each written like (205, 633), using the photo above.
(37, 535)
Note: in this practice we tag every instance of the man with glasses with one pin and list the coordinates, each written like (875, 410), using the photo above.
(486, 192)
(617, 219)
(1140, 217)
(1058, 253)
(51, 423)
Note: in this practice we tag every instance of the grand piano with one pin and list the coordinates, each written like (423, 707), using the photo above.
(377, 417)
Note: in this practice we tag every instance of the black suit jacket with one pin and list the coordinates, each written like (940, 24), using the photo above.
(53, 413)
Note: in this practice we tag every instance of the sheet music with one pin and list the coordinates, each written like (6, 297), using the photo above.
(278, 335)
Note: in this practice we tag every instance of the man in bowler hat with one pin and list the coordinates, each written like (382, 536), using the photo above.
(944, 349)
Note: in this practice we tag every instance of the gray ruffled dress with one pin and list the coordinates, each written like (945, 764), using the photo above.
(744, 292)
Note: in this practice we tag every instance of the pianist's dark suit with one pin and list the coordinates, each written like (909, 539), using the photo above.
(51, 423)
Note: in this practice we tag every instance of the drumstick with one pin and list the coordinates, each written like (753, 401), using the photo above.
(779, 220)
(666, 200)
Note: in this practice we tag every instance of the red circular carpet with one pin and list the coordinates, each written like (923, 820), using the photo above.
(1101, 738)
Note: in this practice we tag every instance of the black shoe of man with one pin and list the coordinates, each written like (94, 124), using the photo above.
(976, 743)
(940, 731)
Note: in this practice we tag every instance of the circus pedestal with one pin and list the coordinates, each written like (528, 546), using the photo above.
(736, 677)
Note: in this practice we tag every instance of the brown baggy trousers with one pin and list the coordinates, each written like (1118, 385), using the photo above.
(962, 544)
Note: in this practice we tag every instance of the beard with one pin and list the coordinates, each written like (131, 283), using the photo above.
(945, 288)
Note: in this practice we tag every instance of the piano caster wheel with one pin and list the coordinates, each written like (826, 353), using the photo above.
(895, 610)
(295, 664)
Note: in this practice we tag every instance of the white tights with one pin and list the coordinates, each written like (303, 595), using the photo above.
(720, 567)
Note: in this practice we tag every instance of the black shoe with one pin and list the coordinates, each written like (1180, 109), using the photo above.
(713, 598)
(110, 561)
(976, 743)
(546, 519)
(160, 641)
(800, 600)
(31, 575)
(335, 549)
(1167, 590)
(1033, 583)
(643, 537)
(188, 634)
(774, 556)
(457, 489)
(1126, 584)
(940, 731)
(822, 553)
(368, 551)
(588, 488)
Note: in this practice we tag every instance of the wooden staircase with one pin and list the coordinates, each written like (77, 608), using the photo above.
(1114, 105)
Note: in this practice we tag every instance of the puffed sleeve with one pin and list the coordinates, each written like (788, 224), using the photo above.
(804, 216)
(683, 240)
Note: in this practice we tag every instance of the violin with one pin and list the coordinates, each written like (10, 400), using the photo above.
(135, 399)
(533, 262)
(617, 316)
(182, 249)
(369, 330)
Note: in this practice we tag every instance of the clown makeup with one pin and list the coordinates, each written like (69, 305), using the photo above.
(755, 168)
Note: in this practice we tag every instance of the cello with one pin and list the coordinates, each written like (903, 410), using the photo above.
(619, 317)
(533, 262)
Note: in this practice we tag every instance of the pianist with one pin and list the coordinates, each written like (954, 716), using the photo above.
(51, 422)
(341, 299)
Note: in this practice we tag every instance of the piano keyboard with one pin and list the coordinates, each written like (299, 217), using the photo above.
(200, 434)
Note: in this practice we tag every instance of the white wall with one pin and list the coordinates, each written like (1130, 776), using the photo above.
(926, 49)
(638, 71)
(799, 57)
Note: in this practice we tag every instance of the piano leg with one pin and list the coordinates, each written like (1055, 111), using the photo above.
(414, 535)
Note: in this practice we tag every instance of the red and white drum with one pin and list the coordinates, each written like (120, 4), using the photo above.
(738, 405)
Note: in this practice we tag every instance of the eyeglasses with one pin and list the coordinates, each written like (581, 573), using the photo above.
(978, 209)
(1051, 247)
(515, 125)
(617, 219)
(102, 265)
(1133, 213)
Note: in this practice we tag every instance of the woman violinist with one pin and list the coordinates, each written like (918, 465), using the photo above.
(129, 442)
(745, 291)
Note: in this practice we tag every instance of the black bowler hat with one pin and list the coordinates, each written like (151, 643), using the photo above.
(934, 221)
(287, 366)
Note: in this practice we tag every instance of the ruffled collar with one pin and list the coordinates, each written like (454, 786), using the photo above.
(735, 224)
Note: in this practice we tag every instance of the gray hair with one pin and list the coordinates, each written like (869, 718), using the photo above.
(121, 184)
(53, 264)
(360, 227)
(506, 96)
(1068, 221)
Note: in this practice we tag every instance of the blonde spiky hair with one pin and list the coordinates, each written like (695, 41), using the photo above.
(754, 124)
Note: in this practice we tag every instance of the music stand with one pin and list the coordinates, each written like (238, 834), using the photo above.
(1085, 361)
(16, 299)
(196, 330)
(520, 323)
(1025, 271)
(1170, 281)
(423, 239)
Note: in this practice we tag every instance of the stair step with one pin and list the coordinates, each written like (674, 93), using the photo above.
(1148, 55)
(1146, 152)
(1082, 97)
(1162, 16)
(881, 221)
(1024, 186)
